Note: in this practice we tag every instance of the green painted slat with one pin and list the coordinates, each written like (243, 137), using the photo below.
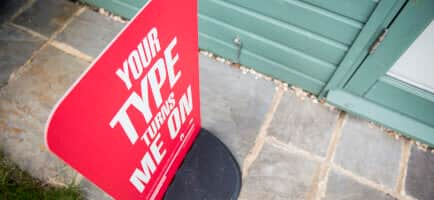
(272, 29)
(359, 10)
(377, 113)
(306, 16)
(410, 23)
(119, 8)
(380, 19)
(260, 64)
(134, 3)
(277, 52)
(281, 72)
(218, 47)
(403, 98)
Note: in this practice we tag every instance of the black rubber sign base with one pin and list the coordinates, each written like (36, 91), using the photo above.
(209, 171)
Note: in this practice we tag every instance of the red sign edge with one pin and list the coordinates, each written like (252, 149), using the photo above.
(68, 91)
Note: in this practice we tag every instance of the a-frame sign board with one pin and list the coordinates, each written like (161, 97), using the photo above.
(129, 120)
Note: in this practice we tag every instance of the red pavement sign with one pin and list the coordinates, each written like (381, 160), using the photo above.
(128, 122)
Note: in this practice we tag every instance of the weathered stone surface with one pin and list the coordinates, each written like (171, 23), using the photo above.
(92, 192)
(277, 174)
(90, 32)
(233, 105)
(46, 16)
(341, 187)
(420, 175)
(304, 124)
(8, 8)
(16, 47)
(25, 104)
(369, 152)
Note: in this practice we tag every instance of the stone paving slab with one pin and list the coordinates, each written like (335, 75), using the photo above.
(16, 47)
(90, 32)
(46, 16)
(303, 124)
(233, 105)
(25, 104)
(341, 187)
(369, 152)
(420, 174)
(8, 9)
(278, 174)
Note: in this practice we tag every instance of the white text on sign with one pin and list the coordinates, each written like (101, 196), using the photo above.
(174, 113)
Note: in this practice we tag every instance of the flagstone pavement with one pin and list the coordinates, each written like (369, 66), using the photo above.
(288, 145)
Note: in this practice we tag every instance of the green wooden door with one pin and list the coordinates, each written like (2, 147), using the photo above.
(372, 93)
(302, 42)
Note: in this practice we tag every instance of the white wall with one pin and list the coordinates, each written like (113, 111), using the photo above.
(416, 65)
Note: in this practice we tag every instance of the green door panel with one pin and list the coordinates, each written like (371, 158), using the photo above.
(134, 3)
(290, 58)
(306, 16)
(359, 10)
(119, 7)
(275, 30)
(403, 98)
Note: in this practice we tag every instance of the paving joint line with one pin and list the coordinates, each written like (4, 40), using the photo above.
(320, 180)
(66, 47)
(23, 68)
(290, 148)
(71, 51)
(403, 166)
(369, 183)
(58, 45)
(260, 139)
(48, 41)
(29, 31)
(21, 10)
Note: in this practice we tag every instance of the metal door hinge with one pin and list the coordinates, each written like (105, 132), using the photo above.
(378, 41)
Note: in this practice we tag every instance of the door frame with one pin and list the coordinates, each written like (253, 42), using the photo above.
(381, 18)
(410, 23)
(415, 16)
